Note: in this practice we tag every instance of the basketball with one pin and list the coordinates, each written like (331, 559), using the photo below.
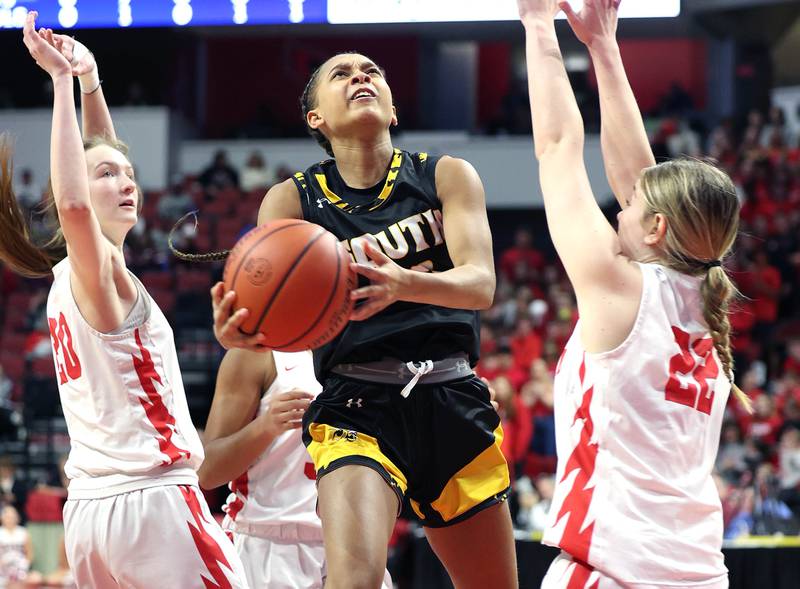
(295, 279)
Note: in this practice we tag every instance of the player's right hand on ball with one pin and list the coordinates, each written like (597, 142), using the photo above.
(286, 411)
(226, 324)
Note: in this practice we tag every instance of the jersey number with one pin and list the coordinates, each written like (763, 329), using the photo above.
(697, 365)
(69, 367)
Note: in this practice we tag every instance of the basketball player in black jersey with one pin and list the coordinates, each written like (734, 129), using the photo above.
(401, 414)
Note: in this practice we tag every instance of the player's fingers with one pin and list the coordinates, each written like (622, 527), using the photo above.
(376, 254)
(296, 394)
(373, 274)
(217, 292)
(294, 424)
(292, 405)
(365, 292)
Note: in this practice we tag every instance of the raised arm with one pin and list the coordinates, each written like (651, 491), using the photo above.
(584, 240)
(235, 436)
(95, 115)
(470, 283)
(626, 148)
(90, 251)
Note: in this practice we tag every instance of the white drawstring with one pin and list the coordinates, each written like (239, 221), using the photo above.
(424, 368)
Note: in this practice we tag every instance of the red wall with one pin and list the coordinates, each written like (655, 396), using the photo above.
(654, 64)
(494, 78)
(245, 73)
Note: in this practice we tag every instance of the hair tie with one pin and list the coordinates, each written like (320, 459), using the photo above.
(713, 264)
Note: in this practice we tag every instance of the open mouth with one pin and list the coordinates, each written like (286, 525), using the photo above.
(363, 94)
(128, 204)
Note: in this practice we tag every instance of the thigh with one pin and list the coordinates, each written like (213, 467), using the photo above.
(167, 537)
(478, 552)
(84, 546)
(358, 510)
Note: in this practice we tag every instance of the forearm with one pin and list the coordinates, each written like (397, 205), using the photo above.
(626, 147)
(96, 116)
(556, 118)
(464, 287)
(230, 456)
(67, 159)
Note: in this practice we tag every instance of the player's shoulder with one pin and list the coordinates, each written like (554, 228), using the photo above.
(282, 201)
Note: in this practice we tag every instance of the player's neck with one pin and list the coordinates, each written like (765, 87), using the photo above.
(362, 165)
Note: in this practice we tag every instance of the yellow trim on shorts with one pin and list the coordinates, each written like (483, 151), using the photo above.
(484, 477)
(332, 443)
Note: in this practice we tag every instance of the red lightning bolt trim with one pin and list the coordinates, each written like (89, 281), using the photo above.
(576, 503)
(154, 407)
(209, 550)
(240, 488)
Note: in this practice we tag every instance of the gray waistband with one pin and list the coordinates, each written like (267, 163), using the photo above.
(397, 372)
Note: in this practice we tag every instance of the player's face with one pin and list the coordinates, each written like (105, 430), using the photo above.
(352, 98)
(112, 189)
(634, 226)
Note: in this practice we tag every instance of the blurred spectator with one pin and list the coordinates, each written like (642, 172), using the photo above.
(516, 423)
(731, 458)
(775, 130)
(534, 502)
(10, 419)
(521, 263)
(789, 461)
(256, 174)
(219, 175)
(16, 550)
(28, 191)
(13, 489)
(175, 203)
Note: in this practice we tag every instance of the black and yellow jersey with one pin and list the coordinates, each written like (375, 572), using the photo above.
(402, 214)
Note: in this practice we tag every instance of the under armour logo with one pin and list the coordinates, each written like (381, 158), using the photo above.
(355, 403)
(320, 201)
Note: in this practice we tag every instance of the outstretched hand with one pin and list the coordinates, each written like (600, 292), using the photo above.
(386, 282)
(596, 21)
(78, 55)
(42, 50)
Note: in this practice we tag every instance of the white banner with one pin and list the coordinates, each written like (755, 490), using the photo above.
(409, 11)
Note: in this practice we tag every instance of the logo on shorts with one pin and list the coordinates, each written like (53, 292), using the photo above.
(347, 435)
(355, 403)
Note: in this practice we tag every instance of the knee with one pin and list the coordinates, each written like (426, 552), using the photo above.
(356, 576)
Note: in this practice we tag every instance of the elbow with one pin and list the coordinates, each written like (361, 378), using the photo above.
(206, 477)
(72, 208)
(485, 293)
(569, 144)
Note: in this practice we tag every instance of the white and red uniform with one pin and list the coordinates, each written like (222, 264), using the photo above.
(130, 431)
(637, 433)
(271, 511)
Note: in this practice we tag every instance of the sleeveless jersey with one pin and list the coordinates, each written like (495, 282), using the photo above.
(402, 215)
(637, 433)
(123, 400)
(280, 487)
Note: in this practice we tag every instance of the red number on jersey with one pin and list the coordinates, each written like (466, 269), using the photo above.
(697, 365)
(69, 366)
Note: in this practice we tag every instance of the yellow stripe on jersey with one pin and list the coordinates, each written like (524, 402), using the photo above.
(331, 443)
(332, 198)
(485, 476)
(386, 191)
(301, 178)
(394, 170)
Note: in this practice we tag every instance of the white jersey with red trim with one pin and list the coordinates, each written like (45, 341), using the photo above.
(123, 400)
(637, 433)
(279, 489)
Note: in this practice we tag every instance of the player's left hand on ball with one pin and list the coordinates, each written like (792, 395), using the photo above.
(492, 393)
(386, 278)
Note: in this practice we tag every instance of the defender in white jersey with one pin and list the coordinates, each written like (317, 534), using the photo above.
(641, 387)
(134, 516)
(252, 440)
